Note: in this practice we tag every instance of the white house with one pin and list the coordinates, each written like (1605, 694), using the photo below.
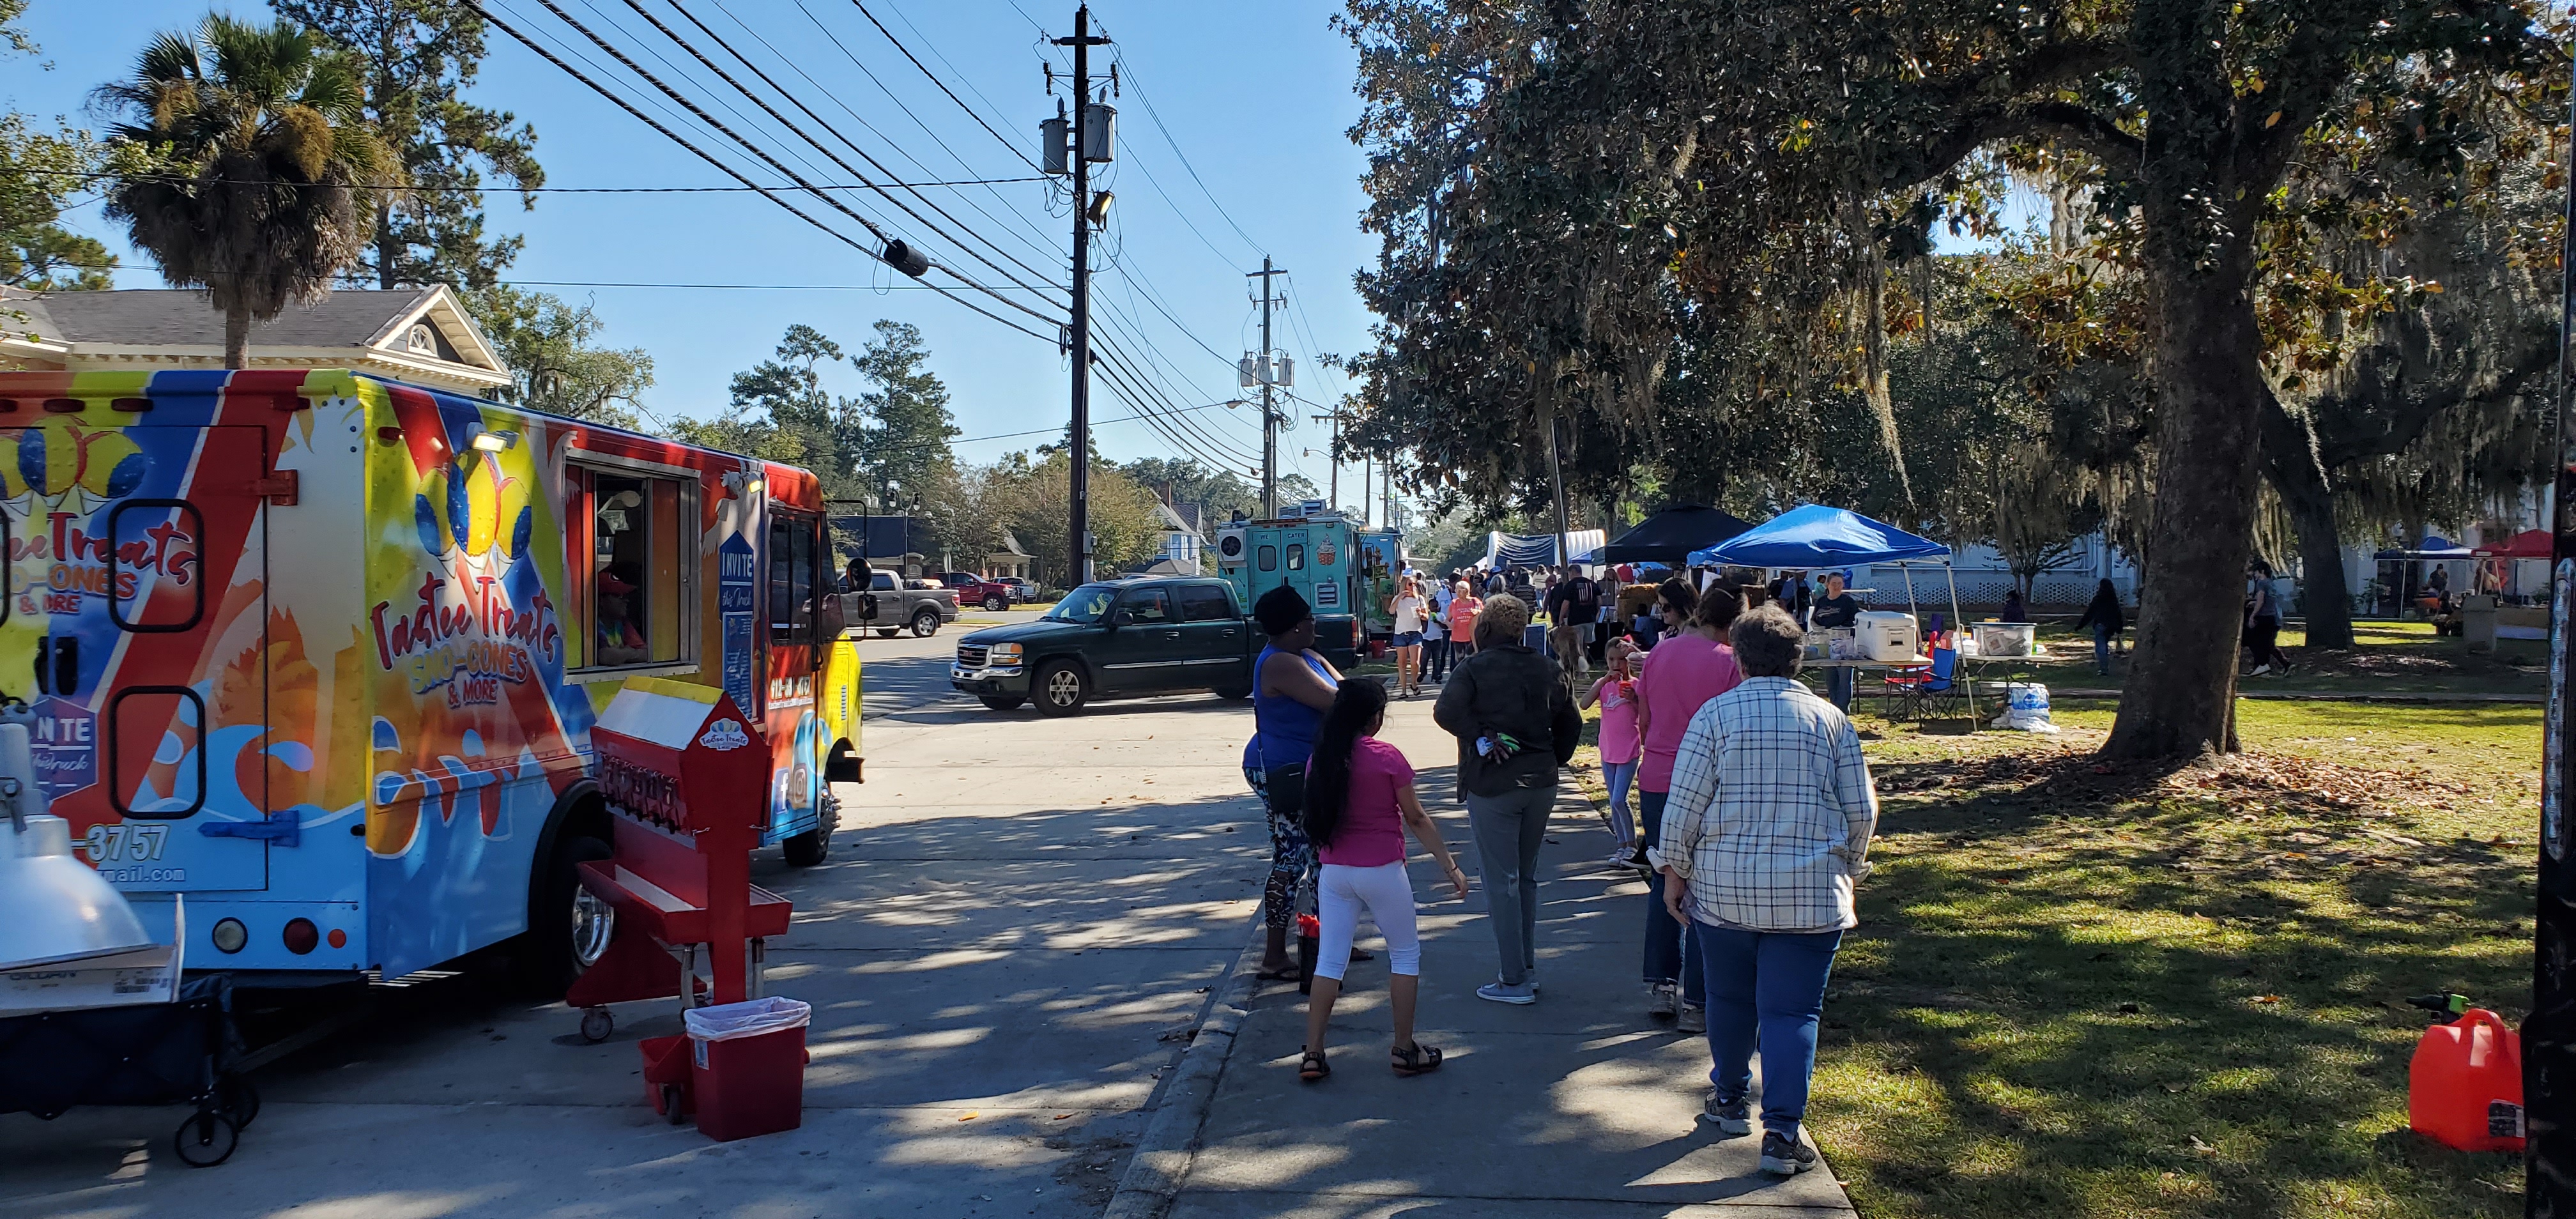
(420, 335)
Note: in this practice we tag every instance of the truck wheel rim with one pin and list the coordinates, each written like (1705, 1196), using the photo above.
(593, 923)
(1063, 688)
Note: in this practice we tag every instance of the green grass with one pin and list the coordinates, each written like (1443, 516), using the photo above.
(2392, 658)
(2177, 992)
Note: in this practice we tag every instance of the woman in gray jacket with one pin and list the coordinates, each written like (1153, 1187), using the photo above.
(1516, 723)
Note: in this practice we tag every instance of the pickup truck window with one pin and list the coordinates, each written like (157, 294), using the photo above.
(882, 582)
(1206, 603)
(1147, 605)
(1086, 604)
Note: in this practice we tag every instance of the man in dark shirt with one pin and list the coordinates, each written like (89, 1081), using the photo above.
(1836, 610)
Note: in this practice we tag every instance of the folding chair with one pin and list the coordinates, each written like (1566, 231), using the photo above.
(1930, 693)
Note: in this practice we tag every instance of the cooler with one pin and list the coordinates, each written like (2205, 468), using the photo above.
(2005, 638)
(1886, 635)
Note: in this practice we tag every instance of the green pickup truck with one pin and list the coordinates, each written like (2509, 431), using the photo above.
(1115, 638)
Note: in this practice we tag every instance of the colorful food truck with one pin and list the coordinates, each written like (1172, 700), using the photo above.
(322, 652)
(1345, 572)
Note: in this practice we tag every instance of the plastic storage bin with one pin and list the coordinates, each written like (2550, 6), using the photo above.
(2006, 638)
(1886, 635)
(747, 1067)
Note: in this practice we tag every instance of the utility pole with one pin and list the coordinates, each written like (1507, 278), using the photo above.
(1079, 528)
(1333, 453)
(1269, 413)
(1556, 484)
(2549, 1034)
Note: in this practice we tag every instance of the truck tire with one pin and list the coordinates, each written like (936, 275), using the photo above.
(995, 605)
(1240, 690)
(1062, 688)
(807, 849)
(889, 632)
(572, 927)
(925, 622)
(1004, 702)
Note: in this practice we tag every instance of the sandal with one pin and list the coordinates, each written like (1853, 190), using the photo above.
(1420, 1060)
(1312, 1067)
(1285, 973)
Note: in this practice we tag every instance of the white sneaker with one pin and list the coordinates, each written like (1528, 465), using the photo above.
(1694, 1019)
(1660, 1001)
(2260, 670)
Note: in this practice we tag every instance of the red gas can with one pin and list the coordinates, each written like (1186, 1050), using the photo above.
(2464, 1088)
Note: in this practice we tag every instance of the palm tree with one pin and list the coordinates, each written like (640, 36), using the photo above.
(254, 169)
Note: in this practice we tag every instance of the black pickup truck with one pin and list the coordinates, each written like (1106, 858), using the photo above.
(1111, 639)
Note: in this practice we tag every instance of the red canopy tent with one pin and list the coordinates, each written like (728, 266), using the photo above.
(2528, 544)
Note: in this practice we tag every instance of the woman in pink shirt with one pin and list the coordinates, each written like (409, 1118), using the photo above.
(1691, 666)
(1616, 692)
(1463, 607)
(1359, 802)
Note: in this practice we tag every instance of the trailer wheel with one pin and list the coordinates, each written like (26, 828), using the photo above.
(807, 849)
(925, 622)
(206, 1139)
(596, 1024)
(671, 1105)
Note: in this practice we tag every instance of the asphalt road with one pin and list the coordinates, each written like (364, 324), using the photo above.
(1016, 915)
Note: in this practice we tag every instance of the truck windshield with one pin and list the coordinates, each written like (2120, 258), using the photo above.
(1086, 604)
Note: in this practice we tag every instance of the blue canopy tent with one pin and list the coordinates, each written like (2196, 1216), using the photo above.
(1814, 536)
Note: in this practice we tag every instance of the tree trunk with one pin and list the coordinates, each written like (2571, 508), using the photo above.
(2291, 464)
(237, 337)
(2181, 688)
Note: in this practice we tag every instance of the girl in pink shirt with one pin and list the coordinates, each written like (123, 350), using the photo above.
(1616, 692)
(1359, 802)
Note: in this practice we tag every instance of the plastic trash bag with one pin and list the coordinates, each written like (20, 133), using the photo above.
(2026, 709)
(750, 1018)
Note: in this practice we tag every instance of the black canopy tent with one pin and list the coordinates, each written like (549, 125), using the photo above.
(1668, 537)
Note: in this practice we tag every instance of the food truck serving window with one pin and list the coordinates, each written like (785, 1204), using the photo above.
(635, 578)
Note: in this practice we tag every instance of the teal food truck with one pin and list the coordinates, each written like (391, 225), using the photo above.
(1347, 573)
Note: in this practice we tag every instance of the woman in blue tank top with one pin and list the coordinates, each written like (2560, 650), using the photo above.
(1292, 687)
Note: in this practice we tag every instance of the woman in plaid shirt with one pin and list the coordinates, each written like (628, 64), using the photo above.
(1764, 834)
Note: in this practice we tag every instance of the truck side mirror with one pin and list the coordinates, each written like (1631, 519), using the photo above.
(1122, 617)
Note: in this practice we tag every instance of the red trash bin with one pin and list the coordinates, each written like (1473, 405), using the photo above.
(747, 1067)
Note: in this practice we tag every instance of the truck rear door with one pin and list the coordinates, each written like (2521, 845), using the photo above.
(140, 568)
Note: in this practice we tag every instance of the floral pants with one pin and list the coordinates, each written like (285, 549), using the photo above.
(1292, 858)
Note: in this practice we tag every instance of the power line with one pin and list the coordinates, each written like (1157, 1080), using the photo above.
(800, 133)
(175, 179)
(729, 171)
(1157, 117)
(943, 85)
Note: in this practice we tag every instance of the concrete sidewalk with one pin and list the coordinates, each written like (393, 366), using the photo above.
(1577, 1105)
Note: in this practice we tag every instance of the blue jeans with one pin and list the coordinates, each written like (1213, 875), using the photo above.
(1771, 983)
(1838, 688)
(1668, 956)
(2102, 647)
(1435, 658)
(1618, 776)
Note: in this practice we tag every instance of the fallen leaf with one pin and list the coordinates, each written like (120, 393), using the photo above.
(970, 1115)
(1062, 1116)
(2267, 998)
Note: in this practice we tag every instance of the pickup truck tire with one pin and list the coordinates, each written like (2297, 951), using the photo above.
(1062, 688)
(925, 622)
(888, 632)
(808, 849)
(995, 605)
(1005, 702)
(1235, 692)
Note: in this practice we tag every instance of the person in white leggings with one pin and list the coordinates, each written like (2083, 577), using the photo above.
(1359, 802)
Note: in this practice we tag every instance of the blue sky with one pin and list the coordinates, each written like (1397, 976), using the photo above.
(1255, 96)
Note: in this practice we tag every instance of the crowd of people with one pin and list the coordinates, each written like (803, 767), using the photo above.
(1751, 821)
